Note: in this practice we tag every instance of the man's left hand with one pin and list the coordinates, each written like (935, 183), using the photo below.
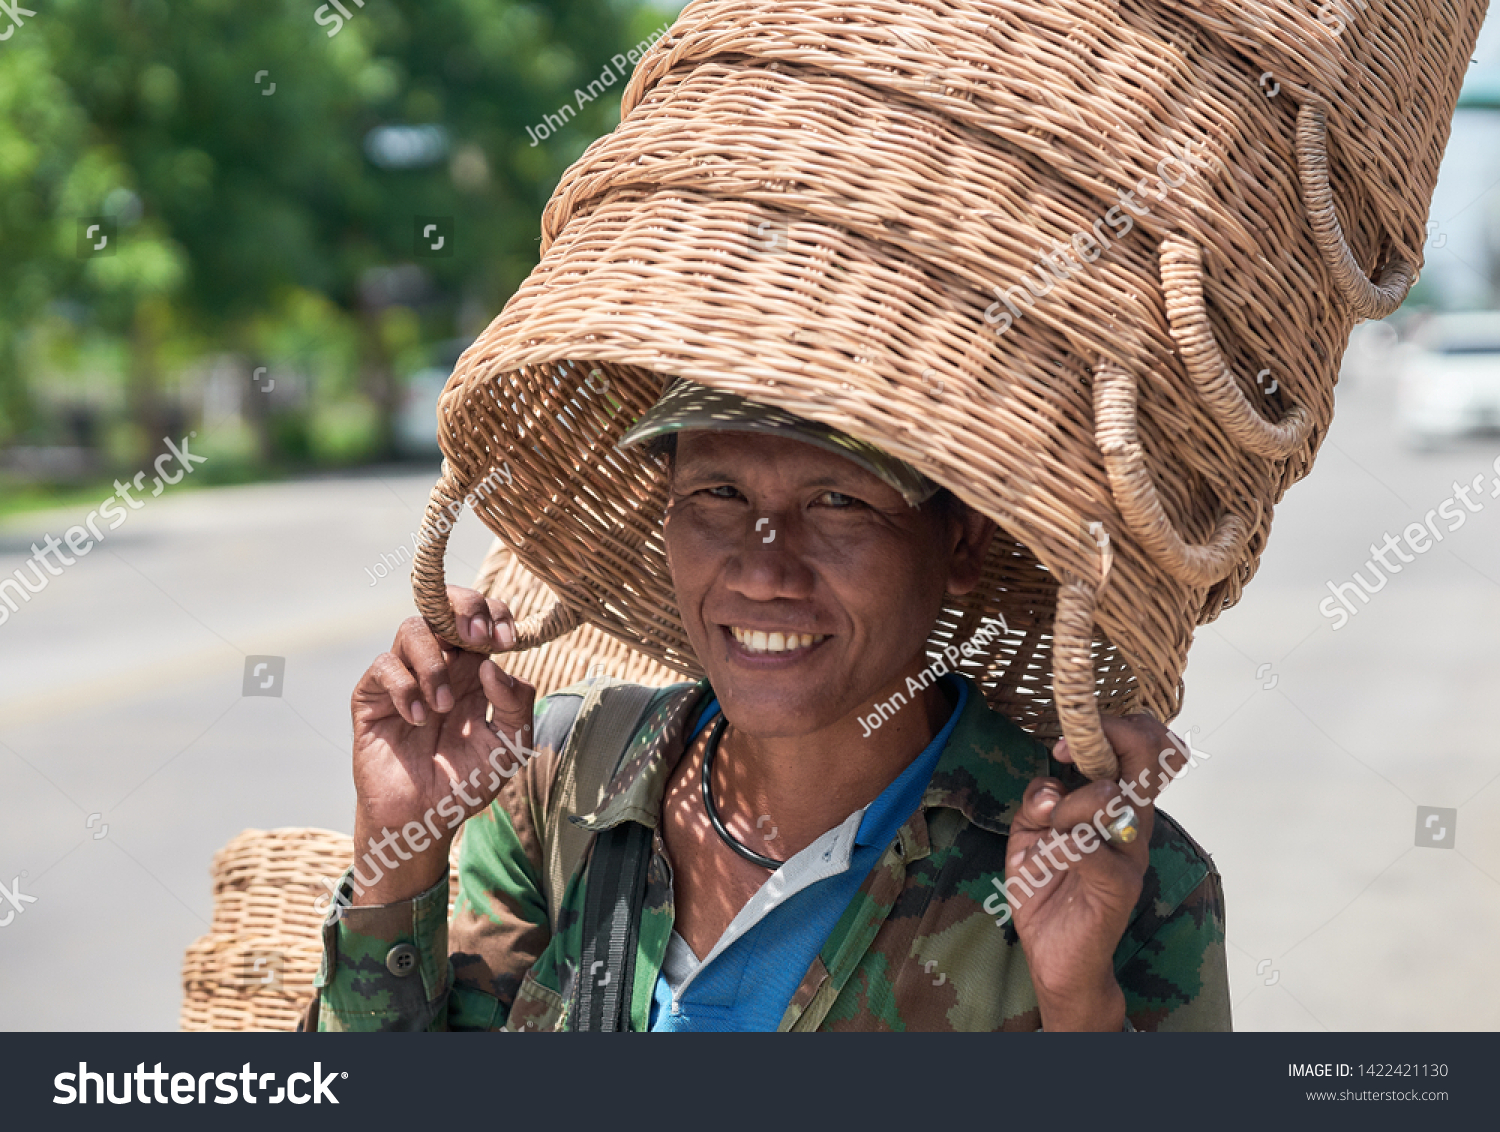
(1073, 900)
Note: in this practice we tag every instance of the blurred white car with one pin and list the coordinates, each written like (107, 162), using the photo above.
(1450, 379)
(416, 424)
(416, 421)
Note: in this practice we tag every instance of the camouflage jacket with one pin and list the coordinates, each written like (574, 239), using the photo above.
(919, 911)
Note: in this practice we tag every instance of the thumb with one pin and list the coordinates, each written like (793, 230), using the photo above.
(513, 698)
(1035, 815)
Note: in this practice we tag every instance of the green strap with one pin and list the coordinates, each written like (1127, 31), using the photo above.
(607, 720)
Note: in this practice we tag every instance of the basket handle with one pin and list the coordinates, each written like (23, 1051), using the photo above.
(1136, 496)
(429, 580)
(1073, 682)
(1366, 299)
(1187, 314)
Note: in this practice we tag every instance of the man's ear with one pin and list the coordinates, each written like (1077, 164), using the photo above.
(975, 532)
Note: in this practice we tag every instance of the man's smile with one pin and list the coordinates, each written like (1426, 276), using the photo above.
(762, 642)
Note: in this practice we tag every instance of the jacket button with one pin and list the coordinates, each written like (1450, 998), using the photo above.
(401, 960)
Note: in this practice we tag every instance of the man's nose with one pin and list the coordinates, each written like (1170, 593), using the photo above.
(768, 565)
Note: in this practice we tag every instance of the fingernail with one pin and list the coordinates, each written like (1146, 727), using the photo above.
(445, 698)
(505, 677)
(476, 628)
(418, 712)
(1046, 802)
(505, 634)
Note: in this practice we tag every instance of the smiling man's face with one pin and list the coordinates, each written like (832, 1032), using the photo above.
(807, 585)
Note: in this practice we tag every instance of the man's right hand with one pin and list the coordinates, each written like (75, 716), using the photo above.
(422, 746)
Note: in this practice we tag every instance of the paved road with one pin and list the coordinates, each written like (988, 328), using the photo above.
(120, 695)
(1337, 919)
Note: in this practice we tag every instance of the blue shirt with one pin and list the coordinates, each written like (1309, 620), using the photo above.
(747, 984)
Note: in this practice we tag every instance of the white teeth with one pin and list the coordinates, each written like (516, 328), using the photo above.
(755, 640)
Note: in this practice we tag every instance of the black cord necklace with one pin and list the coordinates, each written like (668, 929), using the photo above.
(713, 814)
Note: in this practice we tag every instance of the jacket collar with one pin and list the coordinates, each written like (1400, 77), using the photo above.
(982, 772)
(635, 792)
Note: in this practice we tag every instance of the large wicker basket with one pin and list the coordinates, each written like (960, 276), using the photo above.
(907, 219)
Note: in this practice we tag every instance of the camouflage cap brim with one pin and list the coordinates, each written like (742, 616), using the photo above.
(688, 405)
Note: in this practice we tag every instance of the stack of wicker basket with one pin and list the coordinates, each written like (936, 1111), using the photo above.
(255, 967)
(1090, 264)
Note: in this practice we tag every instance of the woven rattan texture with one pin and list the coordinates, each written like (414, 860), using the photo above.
(571, 658)
(1091, 265)
(254, 970)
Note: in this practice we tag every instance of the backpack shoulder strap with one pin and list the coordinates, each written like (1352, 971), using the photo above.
(611, 929)
(611, 918)
(608, 715)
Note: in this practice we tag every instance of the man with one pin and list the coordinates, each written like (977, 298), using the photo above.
(836, 832)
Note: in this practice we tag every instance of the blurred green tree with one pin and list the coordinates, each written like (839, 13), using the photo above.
(41, 139)
(248, 157)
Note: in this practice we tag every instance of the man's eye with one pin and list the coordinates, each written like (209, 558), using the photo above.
(723, 491)
(837, 499)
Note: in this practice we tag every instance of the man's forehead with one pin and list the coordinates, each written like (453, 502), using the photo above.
(700, 450)
(687, 407)
(704, 443)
